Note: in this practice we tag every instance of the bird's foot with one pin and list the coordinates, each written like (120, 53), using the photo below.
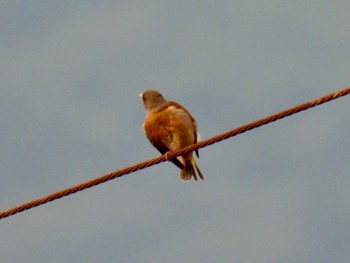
(166, 155)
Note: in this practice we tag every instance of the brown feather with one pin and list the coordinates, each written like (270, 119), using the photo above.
(169, 126)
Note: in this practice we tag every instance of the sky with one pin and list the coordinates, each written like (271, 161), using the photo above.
(71, 72)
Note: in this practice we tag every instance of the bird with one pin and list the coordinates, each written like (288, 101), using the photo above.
(169, 127)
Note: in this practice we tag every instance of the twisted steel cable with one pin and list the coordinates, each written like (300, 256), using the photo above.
(170, 155)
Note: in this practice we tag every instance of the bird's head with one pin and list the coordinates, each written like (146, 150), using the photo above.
(151, 99)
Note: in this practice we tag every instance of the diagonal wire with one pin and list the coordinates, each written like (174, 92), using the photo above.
(173, 154)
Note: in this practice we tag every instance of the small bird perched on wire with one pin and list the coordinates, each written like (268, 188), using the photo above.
(169, 127)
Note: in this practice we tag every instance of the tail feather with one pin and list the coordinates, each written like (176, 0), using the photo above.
(197, 168)
(190, 169)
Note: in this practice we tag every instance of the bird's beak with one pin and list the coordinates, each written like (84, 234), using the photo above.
(141, 94)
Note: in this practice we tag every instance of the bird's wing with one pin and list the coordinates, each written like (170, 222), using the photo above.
(184, 114)
(162, 148)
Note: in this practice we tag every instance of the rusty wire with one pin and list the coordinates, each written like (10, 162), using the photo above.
(173, 154)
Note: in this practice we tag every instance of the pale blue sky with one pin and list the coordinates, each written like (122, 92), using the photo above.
(71, 72)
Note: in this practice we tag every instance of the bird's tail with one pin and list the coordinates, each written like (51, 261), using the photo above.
(190, 169)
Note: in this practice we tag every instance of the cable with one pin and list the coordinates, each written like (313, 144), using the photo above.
(170, 155)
